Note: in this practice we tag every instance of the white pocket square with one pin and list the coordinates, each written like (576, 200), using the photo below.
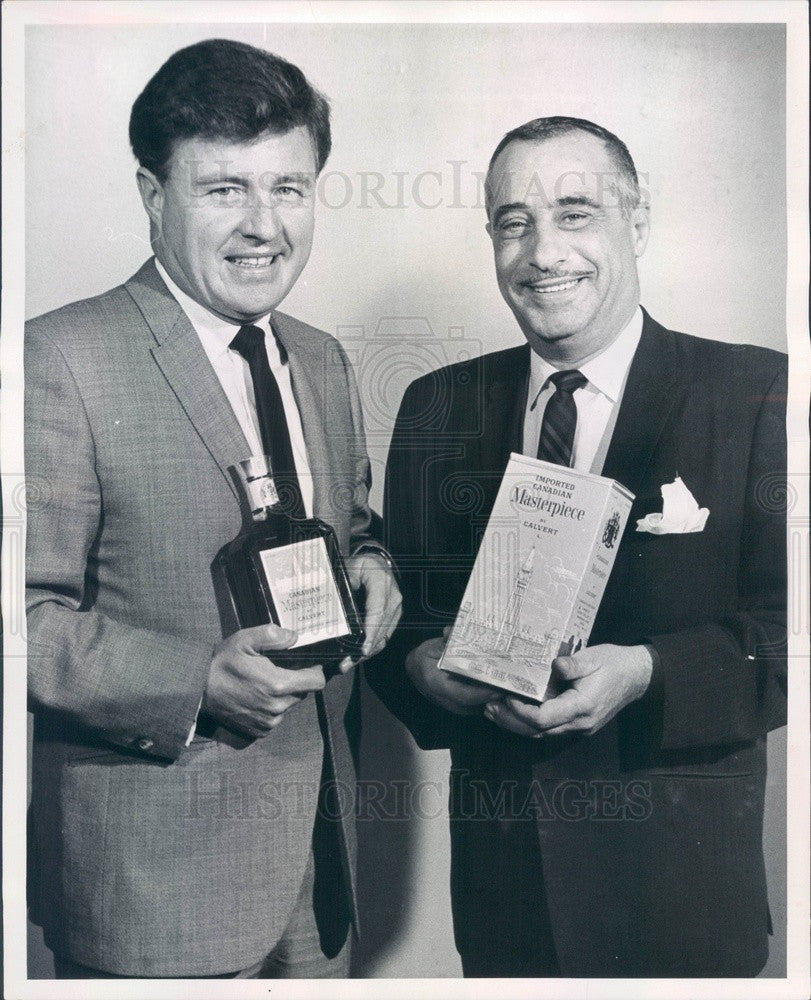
(680, 512)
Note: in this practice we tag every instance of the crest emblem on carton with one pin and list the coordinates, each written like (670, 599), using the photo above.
(612, 529)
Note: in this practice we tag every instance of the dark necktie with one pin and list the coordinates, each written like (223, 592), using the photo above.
(560, 418)
(250, 343)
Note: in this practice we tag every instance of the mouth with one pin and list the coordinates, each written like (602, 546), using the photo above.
(253, 262)
(554, 286)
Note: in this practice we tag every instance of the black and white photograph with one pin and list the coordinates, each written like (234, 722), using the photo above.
(404, 456)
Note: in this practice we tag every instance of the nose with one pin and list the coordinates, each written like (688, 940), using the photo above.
(261, 220)
(549, 248)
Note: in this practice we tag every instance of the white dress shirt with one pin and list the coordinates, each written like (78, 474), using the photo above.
(597, 402)
(234, 375)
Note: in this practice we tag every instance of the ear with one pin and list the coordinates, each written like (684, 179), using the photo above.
(151, 191)
(640, 224)
(489, 230)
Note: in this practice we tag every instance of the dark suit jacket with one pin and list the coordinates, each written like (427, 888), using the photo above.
(650, 829)
(151, 858)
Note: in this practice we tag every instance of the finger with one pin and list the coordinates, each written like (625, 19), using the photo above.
(425, 657)
(374, 624)
(468, 692)
(458, 698)
(433, 649)
(253, 728)
(353, 573)
(521, 710)
(389, 619)
(502, 715)
(563, 710)
(394, 609)
(346, 664)
(569, 668)
(262, 637)
(278, 706)
(282, 681)
(571, 727)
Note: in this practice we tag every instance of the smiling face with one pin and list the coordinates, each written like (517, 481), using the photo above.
(233, 222)
(565, 253)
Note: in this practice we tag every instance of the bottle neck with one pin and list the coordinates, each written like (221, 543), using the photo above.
(262, 496)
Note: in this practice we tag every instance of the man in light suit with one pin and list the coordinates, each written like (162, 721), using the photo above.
(189, 813)
(615, 829)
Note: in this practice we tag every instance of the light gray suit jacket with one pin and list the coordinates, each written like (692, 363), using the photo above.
(150, 858)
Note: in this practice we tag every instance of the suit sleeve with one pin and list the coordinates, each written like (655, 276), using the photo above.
(366, 528)
(725, 682)
(405, 506)
(134, 687)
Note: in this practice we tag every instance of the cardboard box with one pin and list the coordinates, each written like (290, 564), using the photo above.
(539, 575)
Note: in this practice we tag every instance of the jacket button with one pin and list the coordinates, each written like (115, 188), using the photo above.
(145, 743)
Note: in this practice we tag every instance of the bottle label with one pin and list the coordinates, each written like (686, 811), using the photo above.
(304, 591)
(261, 493)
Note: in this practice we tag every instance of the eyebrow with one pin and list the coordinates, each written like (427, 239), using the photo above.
(238, 179)
(570, 201)
(219, 179)
(577, 200)
(513, 206)
(303, 178)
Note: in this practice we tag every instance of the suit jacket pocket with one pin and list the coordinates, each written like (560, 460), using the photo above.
(665, 582)
(110, 757)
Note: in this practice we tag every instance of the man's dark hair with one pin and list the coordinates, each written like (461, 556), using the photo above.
(221, 89)
(539, 129)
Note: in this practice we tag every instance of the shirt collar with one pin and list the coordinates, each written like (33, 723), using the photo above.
(606, 371)
(215, 333)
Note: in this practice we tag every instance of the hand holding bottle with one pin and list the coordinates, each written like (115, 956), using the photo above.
(246, 690)
(370, 575)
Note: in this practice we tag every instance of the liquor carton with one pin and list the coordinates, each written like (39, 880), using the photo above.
(539, 575)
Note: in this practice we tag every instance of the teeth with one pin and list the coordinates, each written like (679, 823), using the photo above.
(555, 288)
(254, 262)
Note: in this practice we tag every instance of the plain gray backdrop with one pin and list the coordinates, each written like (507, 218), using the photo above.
(402, 270)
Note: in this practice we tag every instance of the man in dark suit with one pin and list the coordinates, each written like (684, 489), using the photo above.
(184, 820)
(615, 829)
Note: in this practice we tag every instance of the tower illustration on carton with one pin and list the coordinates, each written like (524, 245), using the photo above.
(509, 623)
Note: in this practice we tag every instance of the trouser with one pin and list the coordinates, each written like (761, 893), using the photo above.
(501, 916)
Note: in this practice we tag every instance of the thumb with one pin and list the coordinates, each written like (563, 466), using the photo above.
(262, 637)
(569, 668)
(353, 572)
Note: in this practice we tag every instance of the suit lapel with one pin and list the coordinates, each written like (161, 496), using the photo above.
(307, 370)
(180, 356)
(649, 396)
(506, 388)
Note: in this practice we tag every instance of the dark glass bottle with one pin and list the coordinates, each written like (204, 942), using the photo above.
(289, 572)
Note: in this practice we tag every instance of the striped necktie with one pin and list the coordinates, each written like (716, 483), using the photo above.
(560, 418)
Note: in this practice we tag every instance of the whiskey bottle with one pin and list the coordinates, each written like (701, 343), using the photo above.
(289, 572)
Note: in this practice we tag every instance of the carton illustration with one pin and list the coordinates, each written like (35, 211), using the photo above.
(539, 575)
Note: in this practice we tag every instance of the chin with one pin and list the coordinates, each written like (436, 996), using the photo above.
(549, 333)
(249, 310)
